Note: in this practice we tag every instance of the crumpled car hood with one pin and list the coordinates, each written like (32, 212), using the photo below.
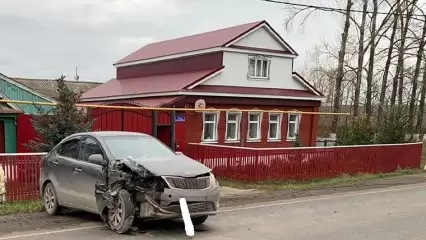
(179, 165)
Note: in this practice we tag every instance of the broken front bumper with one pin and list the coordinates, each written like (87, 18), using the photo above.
(200, 203)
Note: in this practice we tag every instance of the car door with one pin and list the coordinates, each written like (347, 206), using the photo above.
(89, 174)
(62, 170)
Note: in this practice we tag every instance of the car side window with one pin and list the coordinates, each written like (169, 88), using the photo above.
(69, 148)
(89, 146)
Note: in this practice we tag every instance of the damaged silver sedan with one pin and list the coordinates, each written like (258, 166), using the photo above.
(123, 176)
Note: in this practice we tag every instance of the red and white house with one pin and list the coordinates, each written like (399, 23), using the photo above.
(248, 66)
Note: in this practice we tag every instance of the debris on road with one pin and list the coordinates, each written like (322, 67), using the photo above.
(189, 227)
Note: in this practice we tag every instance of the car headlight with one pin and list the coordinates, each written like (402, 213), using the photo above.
(213, 181)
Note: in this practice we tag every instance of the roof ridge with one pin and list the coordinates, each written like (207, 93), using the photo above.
(211, 31)
(204, 40)
(52, 79)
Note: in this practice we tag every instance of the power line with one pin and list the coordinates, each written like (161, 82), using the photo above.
(332, 9)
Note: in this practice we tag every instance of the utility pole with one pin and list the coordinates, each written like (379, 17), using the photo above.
(76, 74)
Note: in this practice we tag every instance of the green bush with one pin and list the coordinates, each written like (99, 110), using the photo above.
(360, 131)
(394, 126)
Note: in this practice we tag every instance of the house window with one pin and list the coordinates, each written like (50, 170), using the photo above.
(210, 121)
(274, 126)
(254, 126)
(233, 126)
(293, 126)
(258, 67)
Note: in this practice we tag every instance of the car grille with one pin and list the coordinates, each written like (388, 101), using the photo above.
(189, 183)
(193, 207)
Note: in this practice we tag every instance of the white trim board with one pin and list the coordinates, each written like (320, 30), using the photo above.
(201, 52)
(205, 79)
(270, 31)
(180, 93)
(295, 76)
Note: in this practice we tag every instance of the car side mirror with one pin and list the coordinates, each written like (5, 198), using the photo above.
(97, 159)
(179, 153)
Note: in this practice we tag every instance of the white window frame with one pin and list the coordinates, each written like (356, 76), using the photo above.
(216, 124)
(237, 128)
(296, 127)
(279, 123)
(259, 60)
(259, 127)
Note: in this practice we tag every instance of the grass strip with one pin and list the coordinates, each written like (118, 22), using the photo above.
(316, 183)
(17, 207)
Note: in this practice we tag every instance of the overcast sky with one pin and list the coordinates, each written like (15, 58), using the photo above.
(42, 38)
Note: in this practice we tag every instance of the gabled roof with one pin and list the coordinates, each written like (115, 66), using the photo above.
(207, 40)
(48, 87)
(149, 84)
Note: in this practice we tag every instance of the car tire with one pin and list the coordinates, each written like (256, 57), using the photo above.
(199, 220)
(50, 200)
(120, 218)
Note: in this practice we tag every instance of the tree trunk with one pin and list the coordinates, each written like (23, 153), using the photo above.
(399, 74)
(340, 73)
(360, 58)
(387, 67)
(395, 78)
(370, 74)
(419, 125)
(416, 77)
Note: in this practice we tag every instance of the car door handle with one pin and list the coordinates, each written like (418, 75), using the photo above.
(77, 169)
(55, 162)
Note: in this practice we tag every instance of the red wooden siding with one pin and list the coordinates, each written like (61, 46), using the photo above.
(195, 63)
(308, 127)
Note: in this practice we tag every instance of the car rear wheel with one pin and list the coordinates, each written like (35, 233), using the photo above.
(199, 220)
(50, 200)
(121, 217)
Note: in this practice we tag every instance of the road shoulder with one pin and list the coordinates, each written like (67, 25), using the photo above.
(230, 198)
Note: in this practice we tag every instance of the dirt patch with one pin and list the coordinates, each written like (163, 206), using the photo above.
(42, 221)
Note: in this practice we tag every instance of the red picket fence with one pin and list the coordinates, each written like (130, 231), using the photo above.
(249, 164)
(22, 172)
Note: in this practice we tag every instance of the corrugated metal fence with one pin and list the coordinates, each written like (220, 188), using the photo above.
(248, 164)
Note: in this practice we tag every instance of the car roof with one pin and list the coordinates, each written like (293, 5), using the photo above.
(111, 134)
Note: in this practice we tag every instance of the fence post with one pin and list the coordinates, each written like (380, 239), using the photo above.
(173, 130)
(122, 119)
(154, 123)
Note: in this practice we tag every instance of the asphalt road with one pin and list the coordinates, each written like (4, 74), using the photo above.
(390, 213)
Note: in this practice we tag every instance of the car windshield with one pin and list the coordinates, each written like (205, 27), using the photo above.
(137, 147)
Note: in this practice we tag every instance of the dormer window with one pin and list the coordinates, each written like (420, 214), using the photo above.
(258, 67)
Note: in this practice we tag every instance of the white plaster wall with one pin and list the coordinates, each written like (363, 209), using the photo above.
(260, 39)
(236, 68)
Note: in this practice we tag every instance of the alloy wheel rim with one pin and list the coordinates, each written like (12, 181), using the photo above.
(49, 199)
(116, 214)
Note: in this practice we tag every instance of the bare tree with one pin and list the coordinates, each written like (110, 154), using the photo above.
(360, 57)
(370, 73)
(387, 66)
(340, 70)
(416, 75)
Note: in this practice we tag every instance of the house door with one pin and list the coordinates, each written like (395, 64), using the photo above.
(163, 134)
(2, 139)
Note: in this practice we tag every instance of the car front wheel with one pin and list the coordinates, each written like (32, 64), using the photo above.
(121, 217)
(50, 200)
